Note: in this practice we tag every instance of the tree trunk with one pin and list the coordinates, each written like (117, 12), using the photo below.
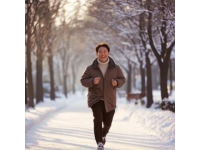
(39, 84)
(134, 84)
(149, 82)
(142, 73)
(29, 75)
(65, 66)
(163, 79)
(170, 76)
(51, 73)
(26, 93)
(129, 75)
(65, 84)
(74, 79)
(65, 73)
(29, 88)
(59, 70)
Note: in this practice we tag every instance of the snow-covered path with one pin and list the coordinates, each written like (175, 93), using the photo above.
(72, 129)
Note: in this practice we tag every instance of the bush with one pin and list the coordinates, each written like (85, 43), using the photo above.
(165, 105)
(168, 105)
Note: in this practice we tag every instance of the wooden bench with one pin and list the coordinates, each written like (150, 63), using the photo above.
(135, 96)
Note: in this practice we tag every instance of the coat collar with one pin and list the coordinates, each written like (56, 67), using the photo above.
(111, 63)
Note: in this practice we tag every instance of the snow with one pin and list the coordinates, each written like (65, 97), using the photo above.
(68, 124)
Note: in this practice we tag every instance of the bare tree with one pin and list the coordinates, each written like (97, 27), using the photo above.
(30, 16)
(51, 35)
(162, 13)
(46, 11)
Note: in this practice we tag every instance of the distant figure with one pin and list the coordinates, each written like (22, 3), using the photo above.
(102, 78)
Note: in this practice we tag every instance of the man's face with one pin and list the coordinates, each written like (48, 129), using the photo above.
(103, 54)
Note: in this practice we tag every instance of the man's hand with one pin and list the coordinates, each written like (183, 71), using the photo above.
(96, 80)
(114, 82)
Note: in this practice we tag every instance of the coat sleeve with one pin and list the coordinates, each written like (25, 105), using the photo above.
(120, 79)
(86, 79)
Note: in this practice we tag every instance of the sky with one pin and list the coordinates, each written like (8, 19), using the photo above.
(68, 124)
(69, 9)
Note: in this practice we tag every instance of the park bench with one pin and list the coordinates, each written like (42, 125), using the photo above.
(135, 96)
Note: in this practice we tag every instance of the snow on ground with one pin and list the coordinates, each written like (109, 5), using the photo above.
(71, 127)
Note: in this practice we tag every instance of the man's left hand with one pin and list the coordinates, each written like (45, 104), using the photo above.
(114, 82)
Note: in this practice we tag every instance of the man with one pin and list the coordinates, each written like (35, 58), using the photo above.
(102, 78)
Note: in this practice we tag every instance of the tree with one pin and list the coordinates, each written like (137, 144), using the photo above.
(29, 30)
(51, 35)
(164, 17)
(45, 12)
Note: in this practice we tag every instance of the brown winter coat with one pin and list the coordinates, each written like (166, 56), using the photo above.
(104, 90)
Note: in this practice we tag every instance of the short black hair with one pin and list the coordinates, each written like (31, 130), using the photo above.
(102, 45)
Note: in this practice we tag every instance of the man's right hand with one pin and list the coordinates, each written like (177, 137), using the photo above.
(96, 80)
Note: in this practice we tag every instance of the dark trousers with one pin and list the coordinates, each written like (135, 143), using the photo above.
(100, 115)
